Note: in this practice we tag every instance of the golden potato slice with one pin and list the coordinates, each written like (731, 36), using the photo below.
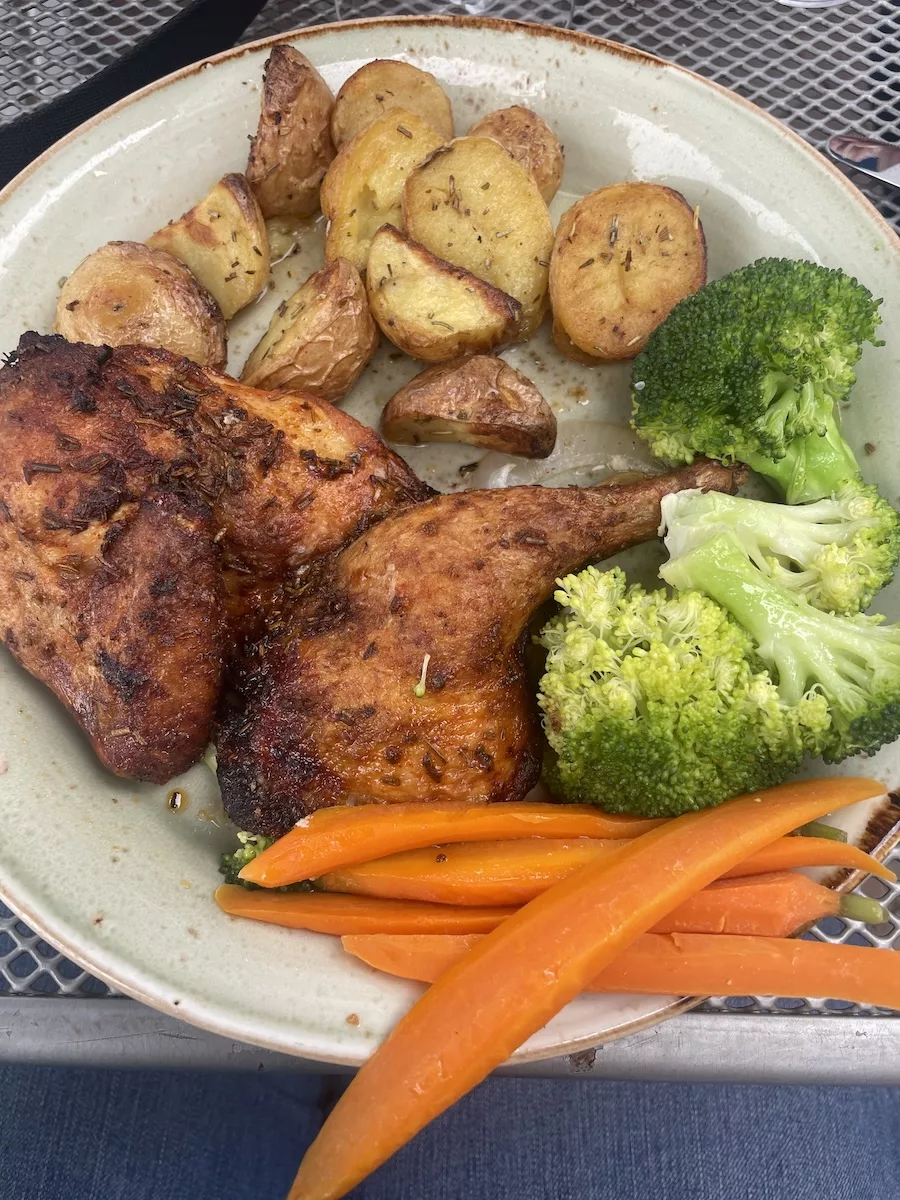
(384, 84)
(530, 141)
(129, 294)
(292, 148)
(222, 240)
(430, 309)
(364, 185)
(623, 258)
(319, 340)
(474, 205)
(479, 400)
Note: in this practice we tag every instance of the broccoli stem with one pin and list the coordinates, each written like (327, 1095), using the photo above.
(821, 829)
(814, 466)
(861, 908)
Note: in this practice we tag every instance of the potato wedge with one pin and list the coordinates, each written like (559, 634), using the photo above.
(292, 148)
(319, 340)
(430, 309)
(384, 84)
(530, 141)
(479, 400)
(127, 294)
(475, 206)
(222, 241)
(623, 258)
(364, 185)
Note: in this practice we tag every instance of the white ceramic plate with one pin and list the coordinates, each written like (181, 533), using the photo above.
(99, 865)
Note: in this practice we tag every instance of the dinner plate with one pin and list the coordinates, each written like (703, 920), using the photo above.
(103, 867)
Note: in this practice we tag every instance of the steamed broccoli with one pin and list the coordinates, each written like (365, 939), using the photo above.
(251, 845)
(837, 553)
(751, 368)
(658, 704)
(852, 664)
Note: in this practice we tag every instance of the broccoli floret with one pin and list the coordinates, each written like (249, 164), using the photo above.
(837, 553)
(251, 844)
(750, 369)
(657, 704)
(850, 663)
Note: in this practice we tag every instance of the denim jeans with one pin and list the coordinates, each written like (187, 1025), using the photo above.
(137, 1135)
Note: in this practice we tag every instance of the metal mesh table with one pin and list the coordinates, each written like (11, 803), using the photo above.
(820, 71)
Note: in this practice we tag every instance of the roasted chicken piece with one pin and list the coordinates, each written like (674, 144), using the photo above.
(399, 674)
(151, 512)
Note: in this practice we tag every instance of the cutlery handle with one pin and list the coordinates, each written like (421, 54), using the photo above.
(203, 28)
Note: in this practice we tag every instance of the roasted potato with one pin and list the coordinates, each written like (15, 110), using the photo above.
(319, 340)
(127, 293)
(364, 185)
(430, 309)
(382, 85)
(223, 241)
(292, 148)
(480, 400)
(530, 141)
(474, 205)
(623, 258)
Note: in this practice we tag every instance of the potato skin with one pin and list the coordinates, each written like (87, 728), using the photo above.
(292, 148)
(623, 258)
(531, 142)
(222, 240)
(381, 85)
(430, 309)
(474, 205)
(363, 188)
(319, 340)
(128, 294)
(478, 400)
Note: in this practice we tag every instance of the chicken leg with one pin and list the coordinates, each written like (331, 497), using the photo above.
(400, 672)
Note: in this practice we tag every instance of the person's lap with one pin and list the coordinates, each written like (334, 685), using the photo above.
(130, 1135)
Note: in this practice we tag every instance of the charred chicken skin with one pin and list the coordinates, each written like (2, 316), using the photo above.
(399, 673)
(151, 513)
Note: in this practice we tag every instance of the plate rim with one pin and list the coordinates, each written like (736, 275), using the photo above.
(91, 959)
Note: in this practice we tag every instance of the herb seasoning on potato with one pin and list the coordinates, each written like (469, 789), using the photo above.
(292, 148)
(129, 294)
(430, 309)
(530, 141)
(382, 85)
(474, 205)
(623, 258)
(319, 340)
(223, 241)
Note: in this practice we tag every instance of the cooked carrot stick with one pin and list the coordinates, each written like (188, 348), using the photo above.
(335, 837)
(512, 873)
(516, 978)
(355, 914)
(680, 964)
(765, 905)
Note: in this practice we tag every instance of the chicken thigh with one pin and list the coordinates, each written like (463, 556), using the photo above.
(399, 673)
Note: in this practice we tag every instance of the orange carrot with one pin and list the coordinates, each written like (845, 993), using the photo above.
(512, 873)
(336, 837)
(765, 905)
(355, 914)
(516, 978)
(680, 964)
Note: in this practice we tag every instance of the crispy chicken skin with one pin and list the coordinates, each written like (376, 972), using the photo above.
(327, 713)
(151, 512)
